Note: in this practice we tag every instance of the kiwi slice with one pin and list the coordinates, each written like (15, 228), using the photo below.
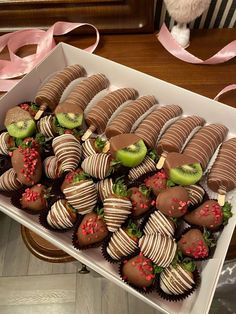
(22, 129)
(69, 120)
(133, 155)
(186, 174)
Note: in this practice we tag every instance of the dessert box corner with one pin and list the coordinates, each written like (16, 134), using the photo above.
(121, 76)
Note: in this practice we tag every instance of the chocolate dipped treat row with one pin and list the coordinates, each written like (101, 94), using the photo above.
(100, 114)
(50, 93)
(204, 143)
(222, 176)
(152, 126)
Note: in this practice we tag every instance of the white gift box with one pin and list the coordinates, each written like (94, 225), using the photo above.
(121, 76)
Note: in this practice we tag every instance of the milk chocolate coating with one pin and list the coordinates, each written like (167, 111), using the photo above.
(204, 143)
(127, 117)
(174, 160)
(16, 114)
(121, 141)
(50, 93)
(138, 270)
(222, 175)
(99, 115)
(9, 181)
(175, 137)
(84, 92)
(150, 128)
(66, 107)
(176, 280)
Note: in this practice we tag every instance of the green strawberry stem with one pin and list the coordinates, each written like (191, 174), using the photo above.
(34, 107)
(152, 154)
(99, 211)
(133, 230)
(170, 183)
(207, 236)
(144, 190)
(157, 269)
(227, 212)
(177, 259)
(100, 143)
(119, 188)
(188, 264)
(80, 176)
(40, 138)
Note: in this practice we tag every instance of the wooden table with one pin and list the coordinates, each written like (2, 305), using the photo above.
(143, 52)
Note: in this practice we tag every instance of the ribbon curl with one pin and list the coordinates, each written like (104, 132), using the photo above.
(17, 66)
(171, 45)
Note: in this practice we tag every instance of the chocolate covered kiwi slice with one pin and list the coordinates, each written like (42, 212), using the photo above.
(182, 169)
(69, 115)
(128, 149)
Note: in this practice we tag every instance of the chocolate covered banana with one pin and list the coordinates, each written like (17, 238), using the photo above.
(204, 143)
(151, 127)
(100, 114)
(222, 176)
(50, 93)
(175, 137)
(83, 93)
(129, 115)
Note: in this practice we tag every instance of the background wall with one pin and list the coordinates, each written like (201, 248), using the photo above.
(221, 14)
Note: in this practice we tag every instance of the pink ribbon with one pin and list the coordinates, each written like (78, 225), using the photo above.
(171, 45)
(17, 66)
(225, 90)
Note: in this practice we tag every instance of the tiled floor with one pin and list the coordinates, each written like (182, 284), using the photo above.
(31, 286)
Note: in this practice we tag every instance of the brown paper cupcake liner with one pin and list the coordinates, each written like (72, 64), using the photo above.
(211, 249)
(180, 297)
(108, 258)
(15, 201)
(75, 240)
(45, 224)
(146, 290)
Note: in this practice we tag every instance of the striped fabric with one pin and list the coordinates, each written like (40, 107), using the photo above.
(221, 14)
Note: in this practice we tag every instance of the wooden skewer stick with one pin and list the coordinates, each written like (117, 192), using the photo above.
(161, 161)
(221, 197)
(106, 147)
(40, 112)
(88, 133)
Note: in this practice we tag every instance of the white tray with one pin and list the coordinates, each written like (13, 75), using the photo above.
(121, 76)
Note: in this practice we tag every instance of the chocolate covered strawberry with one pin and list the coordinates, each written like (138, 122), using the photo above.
(69, 178)
(93, 146)
(138, 271)
(173, 202)
(117, 206)
(195, 243)
(124, 241)
(157, 182)
(92, 230)
(210, 215)
(26, 162)
(35, 198)
(81, 193)
(140, 199)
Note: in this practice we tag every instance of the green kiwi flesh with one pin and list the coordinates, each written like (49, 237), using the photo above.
(132, 155)
(22, 129)
(186, 174)
(69, 120)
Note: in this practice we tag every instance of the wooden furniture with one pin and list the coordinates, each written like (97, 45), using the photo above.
(43, 249)
(108, 15)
